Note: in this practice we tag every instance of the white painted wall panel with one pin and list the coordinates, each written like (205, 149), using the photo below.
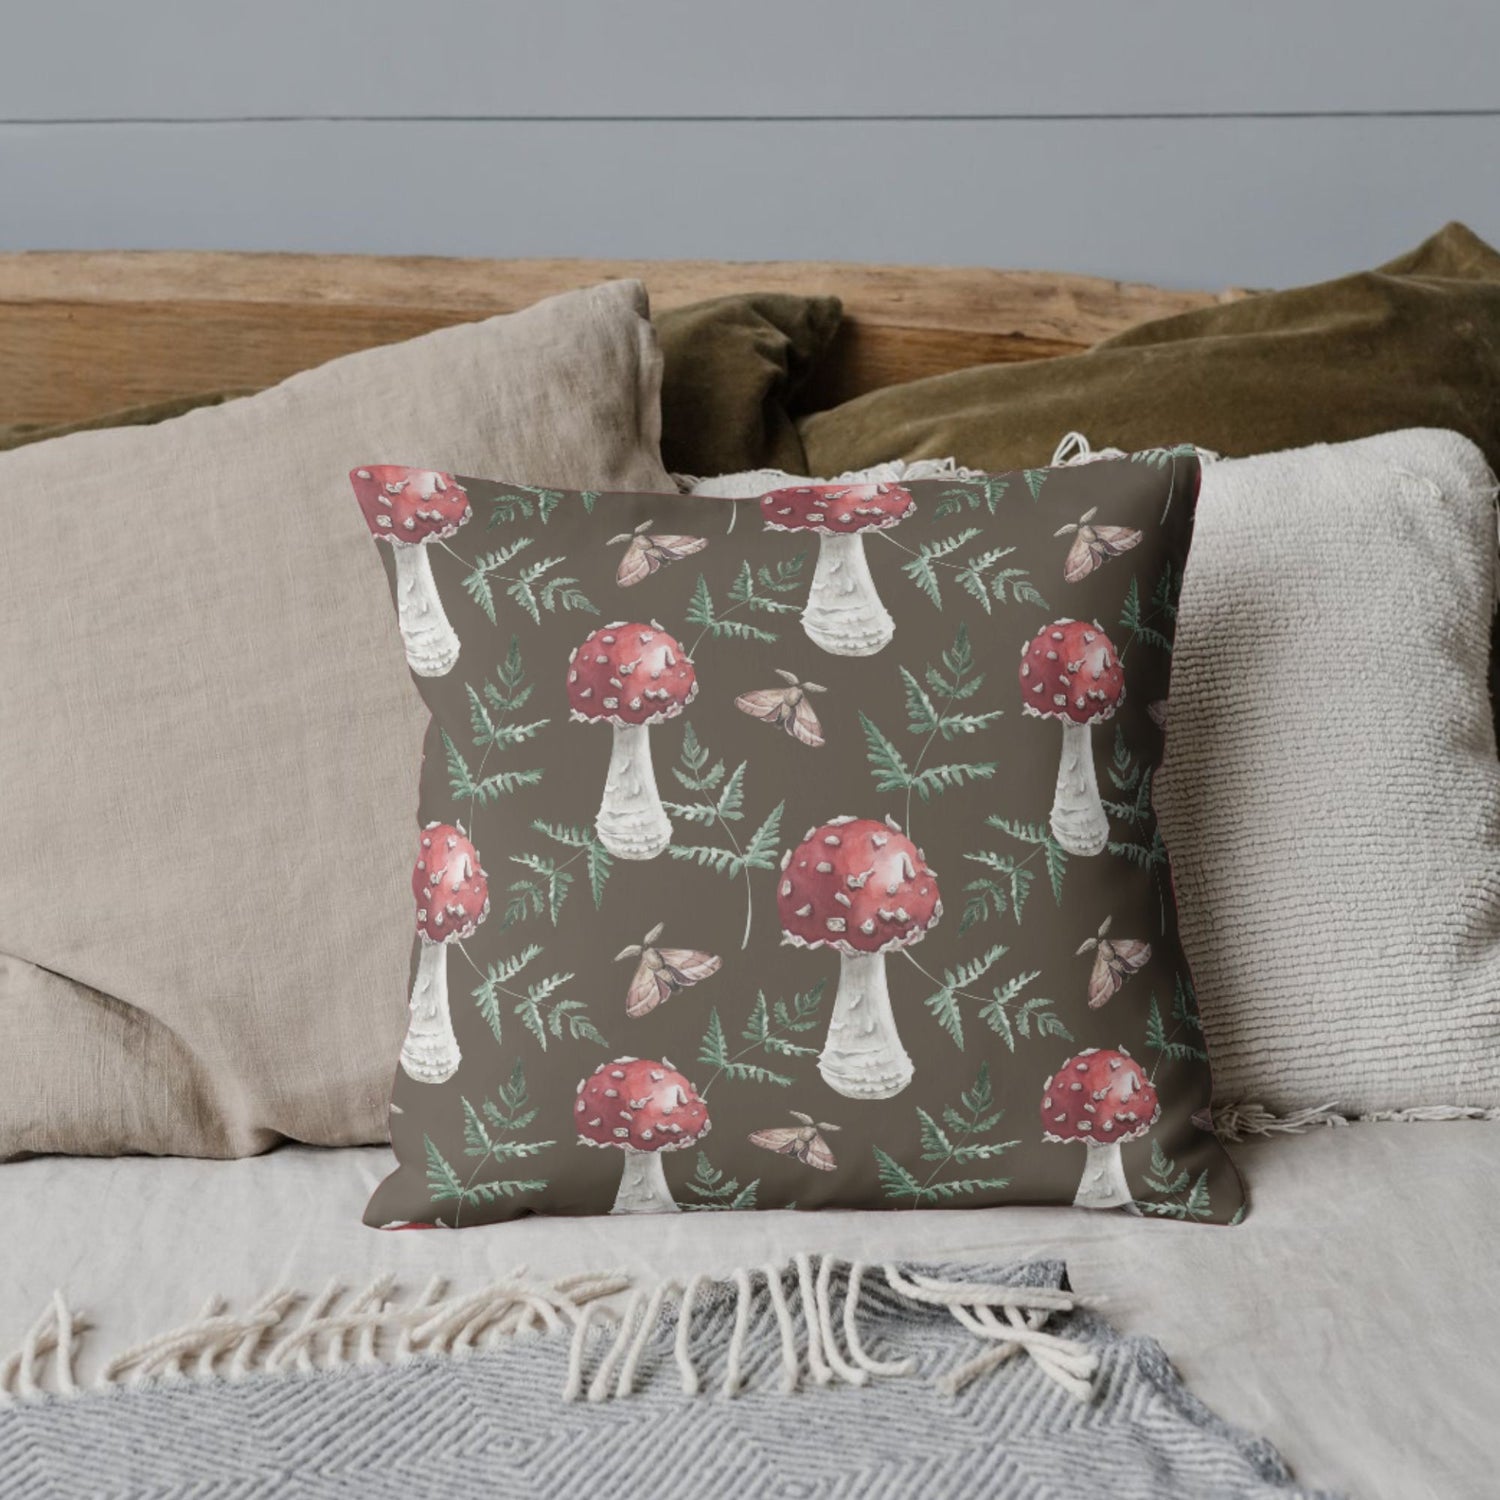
(1189, 203)
(176, 59)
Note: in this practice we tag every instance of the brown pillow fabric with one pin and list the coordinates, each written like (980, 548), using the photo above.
(209, 761)
(734, 368)
(731, 369)
(780, 818)
(1413, 344)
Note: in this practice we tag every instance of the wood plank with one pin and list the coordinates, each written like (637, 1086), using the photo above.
(95, 332)
(180, 59)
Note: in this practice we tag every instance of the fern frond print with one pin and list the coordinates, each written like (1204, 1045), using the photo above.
(495, 725)
(721, 803)
(714, 1189)
(960, 1136)
(491, 1132)
(537, 1002)
(770, 1031)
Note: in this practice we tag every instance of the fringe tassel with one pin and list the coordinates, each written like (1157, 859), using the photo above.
(338, 1329)
(1074, 449)
(1239, 1122)
(756, 482)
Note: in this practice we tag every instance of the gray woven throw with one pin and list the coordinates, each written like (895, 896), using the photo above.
(817, 1378)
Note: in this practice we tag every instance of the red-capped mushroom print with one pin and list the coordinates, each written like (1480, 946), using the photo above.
(863, 889)
(630, 676)
(453, 897)
(844, 615)
(410, 508)
(1071, 672)
(644, 1109)
(1102, 1098)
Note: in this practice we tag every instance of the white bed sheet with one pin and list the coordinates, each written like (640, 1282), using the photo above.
(1353, 1318)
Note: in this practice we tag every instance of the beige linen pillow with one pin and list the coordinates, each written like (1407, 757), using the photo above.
(209, 745)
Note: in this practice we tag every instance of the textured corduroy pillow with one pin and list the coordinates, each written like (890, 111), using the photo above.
(851, 896)
(208, 742)
(1331, 794)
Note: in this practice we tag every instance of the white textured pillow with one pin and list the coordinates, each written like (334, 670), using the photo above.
(1331, 793)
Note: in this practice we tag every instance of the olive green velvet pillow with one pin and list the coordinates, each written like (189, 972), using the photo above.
(1413, 344)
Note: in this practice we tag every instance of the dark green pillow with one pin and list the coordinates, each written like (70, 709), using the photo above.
(734, 368)
(1413, 344)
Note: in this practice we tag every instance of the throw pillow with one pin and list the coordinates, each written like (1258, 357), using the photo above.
(874, 891)
(1331, 793)
(210, 739)
(1413, 344)
(733, 369)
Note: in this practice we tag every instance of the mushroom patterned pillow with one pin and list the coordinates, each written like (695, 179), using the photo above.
(764, 857)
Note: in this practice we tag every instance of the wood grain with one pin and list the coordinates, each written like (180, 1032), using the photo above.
(91, 332)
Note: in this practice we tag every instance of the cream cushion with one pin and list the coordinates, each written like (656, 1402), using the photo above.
(1330, 792)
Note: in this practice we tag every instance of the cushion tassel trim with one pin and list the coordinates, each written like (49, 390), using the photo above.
(810, 1309)
(1241, 1122)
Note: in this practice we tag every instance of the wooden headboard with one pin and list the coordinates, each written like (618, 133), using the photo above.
(86, 333)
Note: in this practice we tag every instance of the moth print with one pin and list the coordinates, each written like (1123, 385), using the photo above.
(1158, 713)
(661, 972)
(1115, 960)
(804, 1141)
(786, 706)
(844, 614)
(1093, 546)
(647, 551)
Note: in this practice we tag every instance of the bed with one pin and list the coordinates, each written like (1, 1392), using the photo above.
(1344, 1320)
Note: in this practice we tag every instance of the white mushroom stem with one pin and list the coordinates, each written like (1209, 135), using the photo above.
(863, 1057)
(1103, 1184)
(631, 822)
(643, 1185)
(430, 1052)
(844, 614)
(1078, 821)
(431, 645)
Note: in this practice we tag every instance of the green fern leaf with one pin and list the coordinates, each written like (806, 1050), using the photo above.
(892, 774)
(760, 852)
(895, 1180)
(443, 1182)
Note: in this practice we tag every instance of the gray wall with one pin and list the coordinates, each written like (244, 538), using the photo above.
(1190, 142)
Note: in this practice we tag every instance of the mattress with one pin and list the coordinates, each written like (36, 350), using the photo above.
(1352, 1318)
